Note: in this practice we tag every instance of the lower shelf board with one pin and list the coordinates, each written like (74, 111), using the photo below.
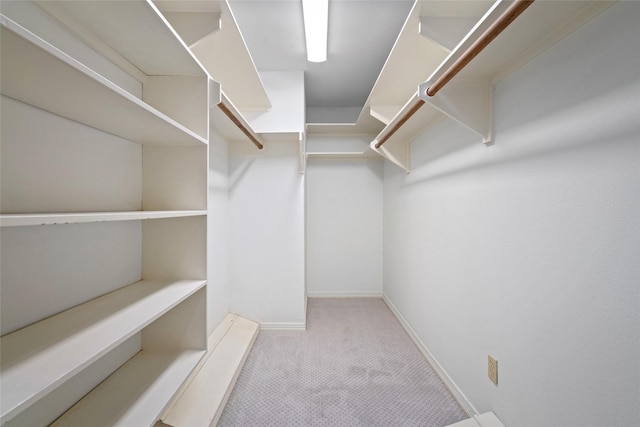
(135, 394)
(40, 357)
(203, 400)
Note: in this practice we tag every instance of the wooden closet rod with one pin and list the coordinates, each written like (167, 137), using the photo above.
(507, 17)
(239, 124)
(402, 121)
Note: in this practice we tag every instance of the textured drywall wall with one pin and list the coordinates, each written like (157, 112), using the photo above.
(528, 250)
(266, 211)
(344, 227)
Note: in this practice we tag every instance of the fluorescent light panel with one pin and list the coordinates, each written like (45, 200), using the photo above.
(316, 21)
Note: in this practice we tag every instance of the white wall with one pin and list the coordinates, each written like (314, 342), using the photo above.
(528, 250)
(266, 196)
(344, 225)
(286, 93)
(218, 280)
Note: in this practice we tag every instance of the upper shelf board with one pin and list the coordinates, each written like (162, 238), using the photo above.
(223, 51)
(18, 220)
(539, 26)
(39, 74)
(467, 98)
(136, 30)
(414, 57)
(225, 119)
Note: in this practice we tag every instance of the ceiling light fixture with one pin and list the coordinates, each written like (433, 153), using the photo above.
(316, 21)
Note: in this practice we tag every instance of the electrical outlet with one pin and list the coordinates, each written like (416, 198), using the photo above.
(493, 370)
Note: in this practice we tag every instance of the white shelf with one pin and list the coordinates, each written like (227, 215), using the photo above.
(467, 97)
(137, 392)
(136, 30)
(17, 220)
(40, 357)
(222, 51)
(537, 28)
(57, 83)
(413, 57)
(226, 119)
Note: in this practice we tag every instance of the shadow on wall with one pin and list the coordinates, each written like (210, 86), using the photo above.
(237, 170)
(448, 149)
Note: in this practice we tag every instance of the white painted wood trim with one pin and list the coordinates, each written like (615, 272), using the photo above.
(202, 401)
(284, 326)
(16, 220)
(212, 342)
(249, 327)
(466, 405)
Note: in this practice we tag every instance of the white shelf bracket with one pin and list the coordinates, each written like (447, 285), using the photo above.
(397, 152)
(467, 101)
(384, 113)
(193, 27)
(446, 31)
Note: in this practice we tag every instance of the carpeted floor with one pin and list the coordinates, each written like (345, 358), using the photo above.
(353, 366)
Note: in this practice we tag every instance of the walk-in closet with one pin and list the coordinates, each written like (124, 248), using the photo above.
(453, 189)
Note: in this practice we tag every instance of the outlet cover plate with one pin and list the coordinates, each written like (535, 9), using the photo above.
(493, 370)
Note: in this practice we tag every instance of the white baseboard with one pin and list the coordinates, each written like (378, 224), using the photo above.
(284, 326)
(356, 294)
(446, 379)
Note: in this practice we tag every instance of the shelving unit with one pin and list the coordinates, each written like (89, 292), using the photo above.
(428, 42)
(213, 37)
(18, 220)
(104, 212)
(71, 90)
(78, 336)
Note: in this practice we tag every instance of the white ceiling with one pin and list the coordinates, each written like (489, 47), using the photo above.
(361, 35)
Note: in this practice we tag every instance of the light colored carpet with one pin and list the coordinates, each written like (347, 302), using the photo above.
(353, 366)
